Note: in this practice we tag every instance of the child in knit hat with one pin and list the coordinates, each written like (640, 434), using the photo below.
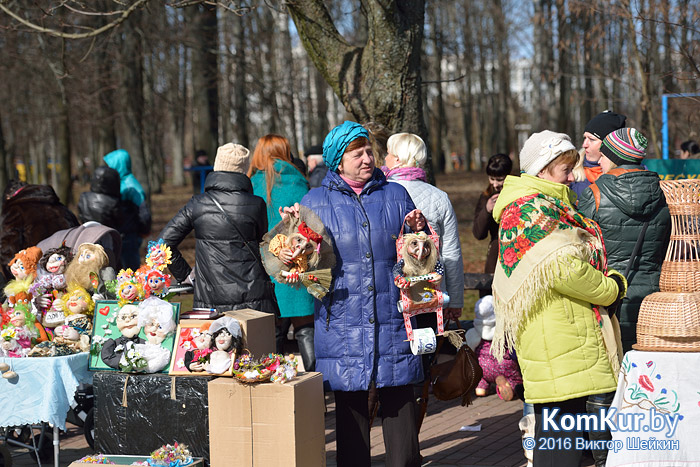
(505, 375)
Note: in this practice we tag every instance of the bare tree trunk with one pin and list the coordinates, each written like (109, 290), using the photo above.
(205, 97)
(4, 163)
(506, 140)
(240, 100)
(564, 109)
(285, 78)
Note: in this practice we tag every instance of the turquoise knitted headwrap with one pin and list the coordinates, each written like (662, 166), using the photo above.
(337, 141)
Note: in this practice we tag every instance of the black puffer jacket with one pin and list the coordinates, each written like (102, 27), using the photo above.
(30, 213)
(227, 276)
(621, 201)
(101, 203)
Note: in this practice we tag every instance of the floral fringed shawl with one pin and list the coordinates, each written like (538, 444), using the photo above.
(536, 234)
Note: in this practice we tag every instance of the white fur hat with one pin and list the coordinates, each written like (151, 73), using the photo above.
(484, 322)
(542, 148)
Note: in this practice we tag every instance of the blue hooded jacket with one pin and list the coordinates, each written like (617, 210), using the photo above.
(360, 335)
(129, 187)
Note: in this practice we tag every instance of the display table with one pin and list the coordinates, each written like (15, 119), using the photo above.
(42, 391)
(657, 390)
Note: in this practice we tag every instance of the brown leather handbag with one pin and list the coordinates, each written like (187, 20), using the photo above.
(456, 378)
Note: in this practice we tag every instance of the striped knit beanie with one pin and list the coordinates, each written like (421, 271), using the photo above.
(624, 146)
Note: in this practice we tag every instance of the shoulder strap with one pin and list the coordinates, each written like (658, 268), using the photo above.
(635, 250)
(233, 224)
(596, 195)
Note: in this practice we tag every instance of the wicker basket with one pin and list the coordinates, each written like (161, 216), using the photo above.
(680, 276)
(669, 321)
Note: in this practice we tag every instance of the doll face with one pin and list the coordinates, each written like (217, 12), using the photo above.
(156, 283)
(130, 292)
(76, 304)
(56, 264)
(300, 245)
(418, 248)
(86, 256)
(223, 340)
(155, 333)
(18, 270)
(17, 317)
(203, 341)
(128, 321)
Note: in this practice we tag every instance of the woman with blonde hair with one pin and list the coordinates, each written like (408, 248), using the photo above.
(277, 180)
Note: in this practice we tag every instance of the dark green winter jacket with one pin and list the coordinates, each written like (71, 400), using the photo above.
(620, 201)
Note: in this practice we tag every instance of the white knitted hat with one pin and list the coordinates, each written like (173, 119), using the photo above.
(232, 158)
(542, 148)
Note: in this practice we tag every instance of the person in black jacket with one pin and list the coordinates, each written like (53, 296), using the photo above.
(229, 222)
(101, 203)
(30, 213)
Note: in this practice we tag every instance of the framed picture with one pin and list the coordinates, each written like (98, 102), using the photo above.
(107, 336)
(195, 351)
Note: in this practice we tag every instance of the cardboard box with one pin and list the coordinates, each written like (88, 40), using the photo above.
(128, 460)
(258, 330)
(267, 424)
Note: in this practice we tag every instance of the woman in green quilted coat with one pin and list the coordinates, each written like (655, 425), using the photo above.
(550, 288)
(279, 183)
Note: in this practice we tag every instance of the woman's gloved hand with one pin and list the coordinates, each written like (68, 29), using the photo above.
(621, 292)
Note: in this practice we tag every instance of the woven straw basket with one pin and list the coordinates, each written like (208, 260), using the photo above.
(669, 321)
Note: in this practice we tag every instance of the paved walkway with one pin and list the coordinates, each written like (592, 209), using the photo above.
(498, 442)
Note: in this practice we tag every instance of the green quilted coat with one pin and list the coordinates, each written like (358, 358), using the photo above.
(621, 201)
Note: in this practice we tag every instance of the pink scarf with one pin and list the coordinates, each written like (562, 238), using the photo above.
(356, 186)
(404, 173)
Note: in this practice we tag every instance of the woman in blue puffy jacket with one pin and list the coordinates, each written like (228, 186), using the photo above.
(360, 338)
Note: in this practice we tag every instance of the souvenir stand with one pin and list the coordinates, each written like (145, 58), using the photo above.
(657, 386)
(41, 392)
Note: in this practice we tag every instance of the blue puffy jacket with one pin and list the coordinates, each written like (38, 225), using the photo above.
(360, 335)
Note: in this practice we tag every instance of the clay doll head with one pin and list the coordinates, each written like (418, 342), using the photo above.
(77, 301)
(55, 260)
(305, 242)
(128, 321)
(129, 290)
(157, 282)
(20, 314)
(419, 254)
(156, 319)
(89, 260)
(203, 340)
(226, 333)
(23, 265)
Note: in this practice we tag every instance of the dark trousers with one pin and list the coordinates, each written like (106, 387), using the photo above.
(398, 425)
(558, 457)
(594, 404)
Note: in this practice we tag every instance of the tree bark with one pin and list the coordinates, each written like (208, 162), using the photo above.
(379, 81)
(240, 99)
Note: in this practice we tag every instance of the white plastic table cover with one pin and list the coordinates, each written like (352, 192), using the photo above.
(658, 410)
(43, 389)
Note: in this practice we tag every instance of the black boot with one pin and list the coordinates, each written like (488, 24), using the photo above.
(305, 339)
(281, 328)
(593, 405)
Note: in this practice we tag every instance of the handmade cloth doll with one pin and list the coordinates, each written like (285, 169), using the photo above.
(17, 336)
(227, 338)
(76, 301)
(418, 274)
(156, 283)
(156, 319)
(128, 324)
(298, 251)
(197, 358)
(50, 284)
(159, 255)
(505, 375)
(129, 289)
(90, 269)
(69, 338)
(23, 268)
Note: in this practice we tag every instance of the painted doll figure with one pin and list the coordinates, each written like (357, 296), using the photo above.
(23, 268)
(156, 319)
(156, 283)
(197, 359)
(419, 269)
(227, 337)
(69, 338)
(17, 335)
(128, 324)
(76, 301)
(50, 284)
(90, 269)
